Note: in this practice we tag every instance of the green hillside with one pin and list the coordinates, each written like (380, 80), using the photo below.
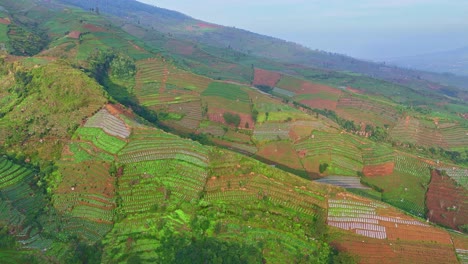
(121, 148)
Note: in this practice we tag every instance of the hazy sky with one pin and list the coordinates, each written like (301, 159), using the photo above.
(369, 29)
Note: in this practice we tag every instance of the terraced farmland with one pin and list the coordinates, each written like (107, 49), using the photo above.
(362, 110)
(100, 139)
(191, 112)
(271, 131)
(264, 77)
(415, 131)
(404, 238)
(149, 145)
(347, 182)
(379, 160)
(20, 205)
(340, 151)
(109, 123)
(405, 188)
(459, 175)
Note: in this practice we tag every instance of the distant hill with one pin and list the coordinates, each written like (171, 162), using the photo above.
(185, 27)
(450, 61)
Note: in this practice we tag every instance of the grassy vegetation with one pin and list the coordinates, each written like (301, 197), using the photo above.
(227, 91)
(108, 188)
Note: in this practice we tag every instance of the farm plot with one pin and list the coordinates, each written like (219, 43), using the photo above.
(144, 185)
(20, 204)
(455, 136)
(100, 139)
(271, 132)
(149, 145)
(459, 175)
(86, 191)
(217, 115)
(255, 188)
(191, 112)
(340, 151)
(363, 110)
(406, 187)
(378, 160)
(446, 202)
(210, 128)
(281, 152)
(347, 182)
(264, 77)
(376, 220)
(370, 251)
(109, 123)
(413, 130)
(227, 91)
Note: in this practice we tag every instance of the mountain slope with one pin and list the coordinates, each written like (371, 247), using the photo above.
(107, 186)
(176, 24)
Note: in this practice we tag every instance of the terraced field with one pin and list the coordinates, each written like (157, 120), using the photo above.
(379, 160)
(271, 132)
(347, 182)
(158, 83)
(354, 108)
(374, 221)
(405, 188)
(342, 152)
(109, 123)
(149, 145)
(20, 205)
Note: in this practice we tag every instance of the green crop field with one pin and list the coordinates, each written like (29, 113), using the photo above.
(228, 91)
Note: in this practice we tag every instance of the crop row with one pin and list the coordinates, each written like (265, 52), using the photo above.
(271, 131)
(411, 166)
(460, 175)
(100, 139)
(163, 154)
(109, 123)
(353, 225)
(343, 181)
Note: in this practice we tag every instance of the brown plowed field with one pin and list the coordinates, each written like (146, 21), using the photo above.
(371, 251)
(74, 34)
(446, 202)
(5, 21)
(264, 77)
(311, 88)
(94, 28)
(379, 169)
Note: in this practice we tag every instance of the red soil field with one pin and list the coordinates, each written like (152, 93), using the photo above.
(74, 34)
(281, 153)
(368, 250)
(94, 28)
(311, 88)
(320, 103)
(264, 77)
(216, 115)
(446, 202)
(5, 21)
(373, 251)
(379, 169)
(415, 233)
(465, 115)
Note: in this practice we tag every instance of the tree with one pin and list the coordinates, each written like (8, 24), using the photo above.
(232, 119)
(323, 167)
